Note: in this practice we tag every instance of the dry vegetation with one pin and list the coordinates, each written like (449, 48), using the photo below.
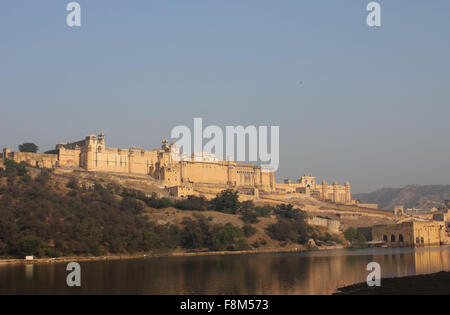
(48, 214)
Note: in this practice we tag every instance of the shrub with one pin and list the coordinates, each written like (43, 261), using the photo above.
(249, 230)
(280, 231)
(12, 166)
(158, 203)
(31, 245)
(264, 211)
(193, 203)
(360, 242)
(73, 183)
(230, 238)
(249, 216)
(195, 234)
(351, 234)
(131, 204)
(226, 201)
(290, 226)
(43, 178)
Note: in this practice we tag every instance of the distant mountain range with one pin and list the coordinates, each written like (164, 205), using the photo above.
(413, 196)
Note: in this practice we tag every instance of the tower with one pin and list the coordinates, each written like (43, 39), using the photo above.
(6, 152)
(101, 142)
(335, 192)
(324, 190)
(399, 210)
(90, 147)
(348, 194)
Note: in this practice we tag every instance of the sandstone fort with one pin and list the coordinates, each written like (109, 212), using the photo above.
(177, 171)
(203, 173)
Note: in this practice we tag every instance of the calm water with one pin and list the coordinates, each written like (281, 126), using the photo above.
(293, 273)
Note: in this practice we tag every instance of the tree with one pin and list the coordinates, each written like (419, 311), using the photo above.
(360, 242)
(226, 201)
(230, 237)
(249, 216)
(28, 147)
(18, 168)
(73, 183)
(351, 234)
(31, 245)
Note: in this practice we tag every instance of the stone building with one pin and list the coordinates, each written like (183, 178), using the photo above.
(33, 159)
(442, 216)
(399, 210)
(174, 168)
(333, 226)
(411, 233)
(307, 185)
(181, 191)
(165, 164)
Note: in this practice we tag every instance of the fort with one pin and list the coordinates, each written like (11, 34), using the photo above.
(307, 185)
(170, 172)
(177, 171)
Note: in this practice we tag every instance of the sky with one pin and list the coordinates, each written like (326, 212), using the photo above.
(367, 105)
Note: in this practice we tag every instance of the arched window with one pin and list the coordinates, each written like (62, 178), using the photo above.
(392, 238)
(400, 238)
(385, 238)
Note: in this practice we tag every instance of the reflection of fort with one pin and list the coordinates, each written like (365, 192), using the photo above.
(320, 272)
(419, 261)
(300, 273)
(430, 260)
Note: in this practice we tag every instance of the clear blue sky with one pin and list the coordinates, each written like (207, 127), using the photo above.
(373, 108)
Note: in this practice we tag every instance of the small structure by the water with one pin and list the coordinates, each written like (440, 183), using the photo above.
(411, 233)
(333, 226)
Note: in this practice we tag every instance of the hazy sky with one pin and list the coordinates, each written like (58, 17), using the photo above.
(373, 106)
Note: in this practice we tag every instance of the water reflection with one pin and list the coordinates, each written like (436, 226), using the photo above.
(293, 273)
(29, 271)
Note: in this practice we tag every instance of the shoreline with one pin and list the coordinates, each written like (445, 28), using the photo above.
(424, 284)
(15, 261)
(173, 254)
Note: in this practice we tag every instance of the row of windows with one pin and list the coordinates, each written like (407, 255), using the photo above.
(419, 240)
(207, 166)
(393, 239)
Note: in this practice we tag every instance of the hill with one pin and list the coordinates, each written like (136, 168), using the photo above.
(424, 197)
(47, 215)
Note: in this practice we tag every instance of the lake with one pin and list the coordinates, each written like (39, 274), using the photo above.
(318, 272)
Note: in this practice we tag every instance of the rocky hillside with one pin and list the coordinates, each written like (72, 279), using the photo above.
(46, 214)
(425, 197)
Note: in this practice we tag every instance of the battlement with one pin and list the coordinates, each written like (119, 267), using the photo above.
(166, 164)
(175, 168)
(307, 185)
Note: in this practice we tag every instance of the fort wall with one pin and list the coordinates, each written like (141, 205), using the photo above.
(92, 154)
(34, 159)
(307, 184)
